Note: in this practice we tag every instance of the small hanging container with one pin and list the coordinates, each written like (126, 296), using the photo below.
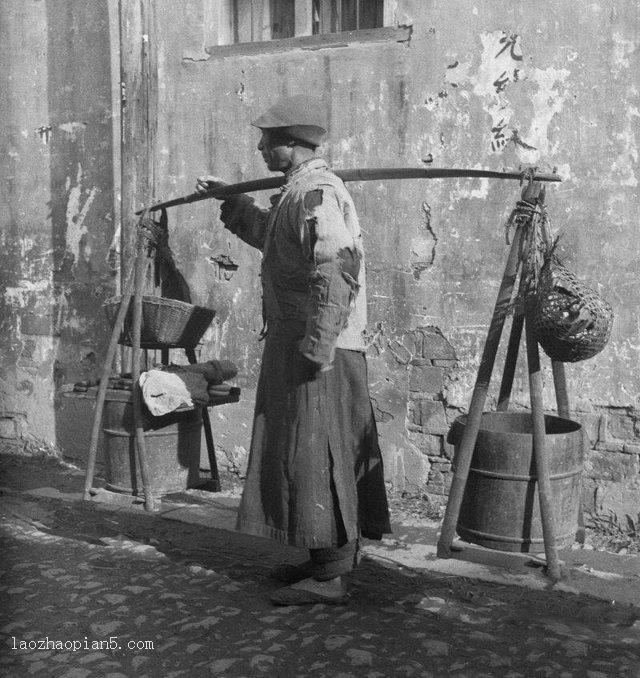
(572, 322)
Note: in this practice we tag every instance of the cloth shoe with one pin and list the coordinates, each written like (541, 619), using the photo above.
(312, 592)
(292, 574)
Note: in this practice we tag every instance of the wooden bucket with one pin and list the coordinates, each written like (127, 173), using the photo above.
(500, 508)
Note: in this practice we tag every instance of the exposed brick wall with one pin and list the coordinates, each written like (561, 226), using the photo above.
(612, 465)
(425, 363)
(433, 415)
(430, 360)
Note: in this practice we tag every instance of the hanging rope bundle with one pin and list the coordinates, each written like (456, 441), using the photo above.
(150, 232)
(535, 222)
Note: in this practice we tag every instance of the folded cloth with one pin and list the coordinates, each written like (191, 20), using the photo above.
(219, 388)
(214, 371)
(222, 391)
(164, 392)
(166, 388)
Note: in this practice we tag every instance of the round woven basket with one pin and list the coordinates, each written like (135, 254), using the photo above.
(165, 322)
(572, 322)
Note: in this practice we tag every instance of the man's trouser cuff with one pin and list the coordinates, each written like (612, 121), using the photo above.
(329, 563)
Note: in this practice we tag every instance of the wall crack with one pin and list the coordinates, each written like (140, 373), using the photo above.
(423, 263)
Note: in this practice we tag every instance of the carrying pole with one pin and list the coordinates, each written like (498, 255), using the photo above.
(372, 174)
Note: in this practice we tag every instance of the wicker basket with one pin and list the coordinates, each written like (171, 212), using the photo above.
(165, 322)
(572, 322)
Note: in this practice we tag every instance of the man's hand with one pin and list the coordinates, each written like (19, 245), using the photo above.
(231, 204)
(209, 183)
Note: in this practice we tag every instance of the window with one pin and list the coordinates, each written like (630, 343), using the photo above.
(336, 16)
(262, 20)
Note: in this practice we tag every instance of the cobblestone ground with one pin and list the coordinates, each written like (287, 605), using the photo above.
(118, 595)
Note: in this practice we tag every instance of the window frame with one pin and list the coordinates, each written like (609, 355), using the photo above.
(228, 30)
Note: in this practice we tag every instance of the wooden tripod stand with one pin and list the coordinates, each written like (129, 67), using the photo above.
(133, 290)
(533, 196)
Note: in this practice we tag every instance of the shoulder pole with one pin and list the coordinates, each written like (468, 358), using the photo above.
(373, 174)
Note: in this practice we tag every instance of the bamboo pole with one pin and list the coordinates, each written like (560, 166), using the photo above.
(142, 265)
(472, 426)
(104, 382)
(373, 174)
(510, 363)
(539, 452)
(564, 411)
(560, 385)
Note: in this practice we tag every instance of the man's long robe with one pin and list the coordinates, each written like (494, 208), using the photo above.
(315, 476)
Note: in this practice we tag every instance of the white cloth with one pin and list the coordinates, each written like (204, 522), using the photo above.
(164, 392)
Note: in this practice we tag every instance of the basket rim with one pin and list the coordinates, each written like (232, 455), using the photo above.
(160, 301)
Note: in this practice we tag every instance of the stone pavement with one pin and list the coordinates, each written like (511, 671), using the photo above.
(91, 589)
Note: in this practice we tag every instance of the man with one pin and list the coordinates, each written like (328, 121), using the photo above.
(315, 477)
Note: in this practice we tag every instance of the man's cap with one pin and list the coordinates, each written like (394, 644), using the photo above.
(301, 117)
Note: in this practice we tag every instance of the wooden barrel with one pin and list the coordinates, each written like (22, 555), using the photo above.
(500, 508)
(172, 445)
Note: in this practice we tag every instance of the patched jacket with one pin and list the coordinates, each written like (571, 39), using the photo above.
(313, 261)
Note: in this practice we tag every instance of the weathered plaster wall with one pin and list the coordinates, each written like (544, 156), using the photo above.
(484, 84)
(56, 219)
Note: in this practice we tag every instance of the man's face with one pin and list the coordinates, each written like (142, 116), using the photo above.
(275, 152)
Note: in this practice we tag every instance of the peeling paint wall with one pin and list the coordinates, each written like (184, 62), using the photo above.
(483, 84)
(56, 221)
(472, 84)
